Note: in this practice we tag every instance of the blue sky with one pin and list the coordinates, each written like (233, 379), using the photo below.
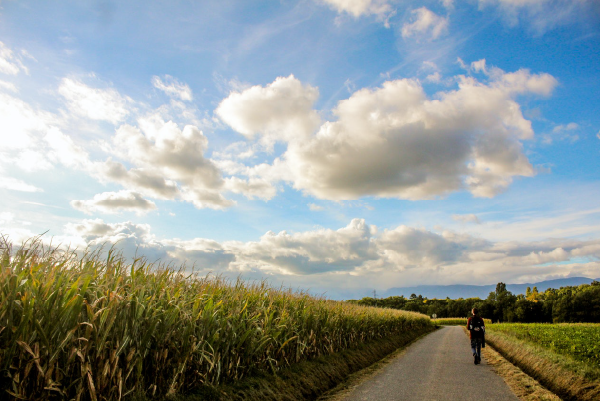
(339, 146)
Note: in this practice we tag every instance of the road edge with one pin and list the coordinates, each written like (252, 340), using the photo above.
(339, 392)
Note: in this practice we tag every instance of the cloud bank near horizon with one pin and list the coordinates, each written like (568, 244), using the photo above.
(360, 255)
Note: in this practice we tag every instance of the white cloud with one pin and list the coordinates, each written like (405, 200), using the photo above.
(94, 103)
(10, 63)
(114, 202)
(353, 254)
(168, 162)
(21, 124)
(309, 252)
(172, 87)
(205, 255)
(251, 188)
(146, 181)
(395, 142)
(8, 86)
(425, 23)
(563, 132)
(568, 127)
(163, 156)
(21, 137)
(158, 159)
(17, 185)
(466, 218)
(280, 111)
(448, 4)
(178, 153)
(6, 217)
(357, 8)
(315, 208)
(542, 15)
(522, 81)
(479, 66)
(65, 151)
(407, 247)
(435, 77)
(133, 239)
(356, 256)
(30, 160)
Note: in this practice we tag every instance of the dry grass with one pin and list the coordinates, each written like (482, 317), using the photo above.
(523, 385)
(555, 372)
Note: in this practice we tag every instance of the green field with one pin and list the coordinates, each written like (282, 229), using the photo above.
(95, 327)
(580, 341)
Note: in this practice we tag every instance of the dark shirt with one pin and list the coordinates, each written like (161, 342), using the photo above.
(477, 330)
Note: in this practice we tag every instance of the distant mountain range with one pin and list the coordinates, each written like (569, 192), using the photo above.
(480, 291)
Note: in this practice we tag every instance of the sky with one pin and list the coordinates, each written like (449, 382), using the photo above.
(334, 146)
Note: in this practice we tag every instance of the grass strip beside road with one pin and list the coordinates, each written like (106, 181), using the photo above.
(524, 386)
(564, 376)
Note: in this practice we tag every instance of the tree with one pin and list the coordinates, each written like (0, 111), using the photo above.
(504, 300)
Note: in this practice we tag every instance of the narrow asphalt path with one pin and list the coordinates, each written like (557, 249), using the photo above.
(437, 367)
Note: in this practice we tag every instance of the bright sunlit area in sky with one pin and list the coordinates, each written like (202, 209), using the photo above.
(338, 146)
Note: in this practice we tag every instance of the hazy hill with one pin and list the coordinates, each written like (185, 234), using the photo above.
(480, 291)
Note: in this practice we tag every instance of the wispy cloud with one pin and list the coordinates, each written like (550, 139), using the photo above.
(425, 24)
(172, 87)
(94, 103)
(315, 208)
(357, 8)
(10, 62)
(543, 15)
(466, 218)
(17, 185)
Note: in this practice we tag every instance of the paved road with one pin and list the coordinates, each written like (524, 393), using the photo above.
(437, 367)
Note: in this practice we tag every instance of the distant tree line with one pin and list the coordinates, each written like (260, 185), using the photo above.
(565, 305)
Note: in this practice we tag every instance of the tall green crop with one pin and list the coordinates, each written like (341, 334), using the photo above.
(94, 327)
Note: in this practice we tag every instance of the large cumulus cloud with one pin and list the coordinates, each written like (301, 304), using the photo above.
(396, 141)
(282, 110)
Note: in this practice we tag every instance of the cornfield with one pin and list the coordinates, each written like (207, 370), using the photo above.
(94, 327)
